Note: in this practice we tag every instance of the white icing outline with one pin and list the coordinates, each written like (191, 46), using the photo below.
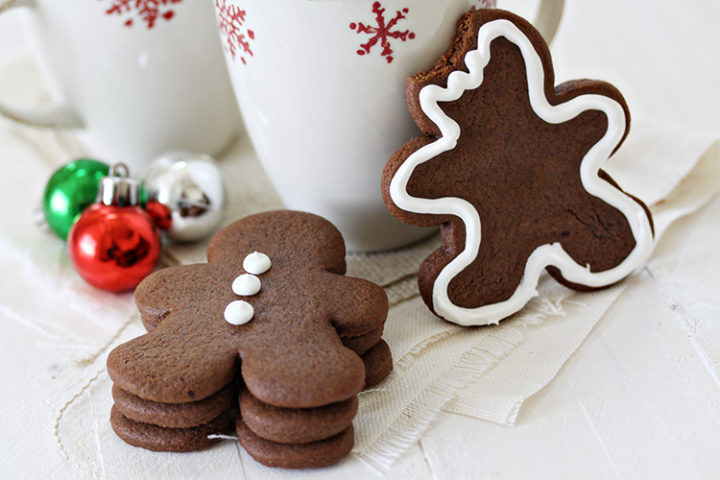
(545, 255)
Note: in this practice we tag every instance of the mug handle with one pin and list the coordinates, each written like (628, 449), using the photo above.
(548, 18)
(55, 116)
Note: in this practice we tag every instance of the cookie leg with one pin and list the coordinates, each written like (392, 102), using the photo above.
(603, 245)
(171, 365)
(318, 372)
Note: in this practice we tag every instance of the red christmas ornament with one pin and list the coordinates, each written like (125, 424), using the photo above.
(115, 244)
(160, 214)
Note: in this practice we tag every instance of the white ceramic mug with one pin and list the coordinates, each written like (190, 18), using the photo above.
(321, 86)
(136, 82)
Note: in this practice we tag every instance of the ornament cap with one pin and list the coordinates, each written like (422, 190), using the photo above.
(117, 189)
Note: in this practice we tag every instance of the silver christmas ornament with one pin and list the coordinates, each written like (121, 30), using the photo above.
(190, 192)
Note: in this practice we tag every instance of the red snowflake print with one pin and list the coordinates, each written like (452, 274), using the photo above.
(231, 21)
(484, 4)
(149, 11)
(382, 32)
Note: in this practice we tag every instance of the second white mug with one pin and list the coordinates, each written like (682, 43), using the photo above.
(321, 86)
(135, 80)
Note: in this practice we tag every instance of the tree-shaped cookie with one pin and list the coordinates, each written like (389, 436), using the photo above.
(272, 304)
(509, 166)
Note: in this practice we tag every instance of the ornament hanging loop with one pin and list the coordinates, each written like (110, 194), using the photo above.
(118, 189)
(119, 170)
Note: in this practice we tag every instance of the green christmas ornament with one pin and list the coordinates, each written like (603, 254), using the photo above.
(70, 190)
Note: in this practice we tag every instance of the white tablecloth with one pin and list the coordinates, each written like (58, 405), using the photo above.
(639, 398)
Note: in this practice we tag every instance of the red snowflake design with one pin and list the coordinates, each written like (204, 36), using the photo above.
(149, 11)
(231, 21)
(484, 4)
(382, 32)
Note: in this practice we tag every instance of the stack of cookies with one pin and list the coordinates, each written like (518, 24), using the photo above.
(269, 339)
(301, 436)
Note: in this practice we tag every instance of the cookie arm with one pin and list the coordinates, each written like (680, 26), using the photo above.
(356, 306)
(170, 289)
(566, 91)
(417, 183)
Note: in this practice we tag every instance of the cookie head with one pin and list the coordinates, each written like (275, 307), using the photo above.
(272, 304)
(284, 237)
(509, 166)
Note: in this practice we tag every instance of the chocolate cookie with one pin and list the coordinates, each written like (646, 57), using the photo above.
(297, 455)
(378, 364)
(509, 166)
(362, 343)
(296, 425)
(173, 415)
(271, 309)
(162, 439)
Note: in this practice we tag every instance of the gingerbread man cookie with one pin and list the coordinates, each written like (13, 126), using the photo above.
(270, 315)
(509, 166)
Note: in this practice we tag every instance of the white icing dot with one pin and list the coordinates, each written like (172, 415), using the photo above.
(239, 312)
(246, 285)
(257, 263)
